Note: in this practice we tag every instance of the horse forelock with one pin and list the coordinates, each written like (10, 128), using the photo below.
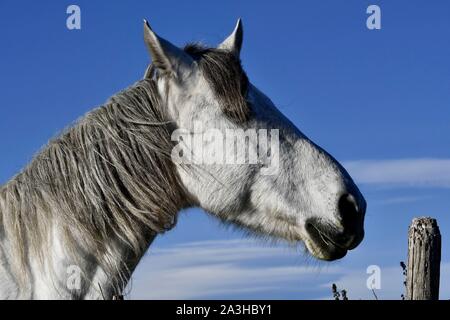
(224, 73)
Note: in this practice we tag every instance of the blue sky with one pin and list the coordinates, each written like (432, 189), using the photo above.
(377, 100)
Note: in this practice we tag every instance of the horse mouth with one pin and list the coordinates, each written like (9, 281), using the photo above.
(321, 244)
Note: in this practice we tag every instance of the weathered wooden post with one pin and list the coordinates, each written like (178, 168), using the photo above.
(424, 260)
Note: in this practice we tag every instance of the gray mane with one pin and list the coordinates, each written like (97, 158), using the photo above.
(110, 176)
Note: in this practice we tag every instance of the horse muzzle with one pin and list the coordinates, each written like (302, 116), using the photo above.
(329, 242)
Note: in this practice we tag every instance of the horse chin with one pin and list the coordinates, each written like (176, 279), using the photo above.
(322, 247)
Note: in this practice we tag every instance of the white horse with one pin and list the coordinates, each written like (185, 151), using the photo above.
(76, 221)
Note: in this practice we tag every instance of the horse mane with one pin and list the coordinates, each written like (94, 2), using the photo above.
(110, 176)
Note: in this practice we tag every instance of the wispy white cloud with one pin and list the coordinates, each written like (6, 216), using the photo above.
(401, 172)
(223, 269)
(246, 269)
(401, 200)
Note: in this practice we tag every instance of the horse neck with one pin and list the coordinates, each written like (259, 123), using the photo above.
(96, 197)
(63, 277)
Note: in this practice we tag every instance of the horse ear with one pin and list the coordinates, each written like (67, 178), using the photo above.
(234, 41)
(166, 57)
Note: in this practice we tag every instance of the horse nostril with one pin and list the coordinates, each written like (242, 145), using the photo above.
(351, 215)
(352, 219)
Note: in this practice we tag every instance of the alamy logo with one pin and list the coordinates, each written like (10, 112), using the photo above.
(73, 21)
(227, 147)
(374, 20)
(73, 277)
(374, 280)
